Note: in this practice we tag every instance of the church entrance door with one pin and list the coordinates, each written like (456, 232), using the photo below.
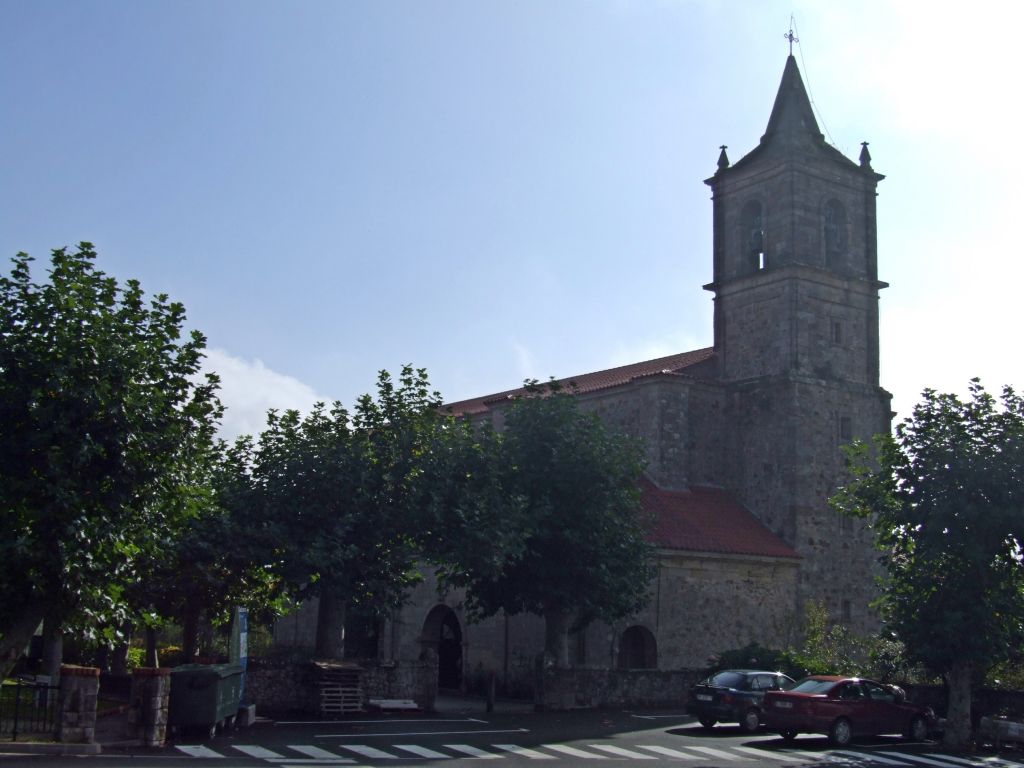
(442, 633)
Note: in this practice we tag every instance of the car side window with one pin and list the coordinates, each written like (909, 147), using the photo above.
(851, 692)
(878, 693)
(768, 683)
(757, 683)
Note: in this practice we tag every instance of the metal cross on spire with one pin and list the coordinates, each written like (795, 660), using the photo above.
(791, 37)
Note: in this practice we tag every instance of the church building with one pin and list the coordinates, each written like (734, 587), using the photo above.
(743, 438)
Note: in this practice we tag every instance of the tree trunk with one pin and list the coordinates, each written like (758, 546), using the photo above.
(556, 635)
(958, 711)
(190, 634)
(119, 658)
(53, 648)
(330, 625)
(16, 636)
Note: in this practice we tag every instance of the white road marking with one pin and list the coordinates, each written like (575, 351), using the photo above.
(669, 752)
(573, 752)
(367, 751)
(612, 749)
(869, 756)
(472, 751)
(262, 753)
(319, 754)
(909, 758)
(198, 750)
(769, 754)
(418, 750)
(720, 754)
(524, 752)
(397, 734)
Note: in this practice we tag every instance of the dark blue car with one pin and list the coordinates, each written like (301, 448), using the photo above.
(734, 696)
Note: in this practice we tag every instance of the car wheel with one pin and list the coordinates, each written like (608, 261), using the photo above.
(841, 733)
(708, 722)
(751, 720)
(788, 736)
(918, 730)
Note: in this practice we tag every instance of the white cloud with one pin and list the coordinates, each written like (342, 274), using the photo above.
(526, 363)
(249, 389)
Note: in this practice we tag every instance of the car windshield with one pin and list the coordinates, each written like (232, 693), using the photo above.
(810, 685)
(728, 680)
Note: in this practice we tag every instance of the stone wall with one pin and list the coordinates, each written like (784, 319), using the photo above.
(581, 687)
(76, 703)
(280, 687)
(150, 694)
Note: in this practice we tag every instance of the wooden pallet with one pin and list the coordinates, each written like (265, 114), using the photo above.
(341, 688)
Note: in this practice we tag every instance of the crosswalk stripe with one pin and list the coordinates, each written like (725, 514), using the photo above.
(669, 752)
(318, 754)
(367, 751)
(808, 755)
(772, 754)
(870, 757)
(198, 750)
(472, 751)
(720, 754)
(995, 761)
(573, 752)
(909, 758)
(621, 752)
(533, 754)
(418, 750)
(253, 750)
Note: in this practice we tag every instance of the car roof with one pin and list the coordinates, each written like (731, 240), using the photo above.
(749, 672)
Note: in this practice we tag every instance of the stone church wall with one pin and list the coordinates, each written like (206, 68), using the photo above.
(705, 604)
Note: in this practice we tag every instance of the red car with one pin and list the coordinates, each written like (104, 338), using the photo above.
(844, 707)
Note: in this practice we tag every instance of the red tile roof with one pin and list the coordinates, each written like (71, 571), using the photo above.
(708, 520)
(592, 382)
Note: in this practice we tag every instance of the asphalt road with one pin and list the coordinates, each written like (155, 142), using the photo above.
(615, 738)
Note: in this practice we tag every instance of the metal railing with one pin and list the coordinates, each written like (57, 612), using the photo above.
(27, 707)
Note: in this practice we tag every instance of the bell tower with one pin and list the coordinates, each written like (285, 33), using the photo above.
(795, 283)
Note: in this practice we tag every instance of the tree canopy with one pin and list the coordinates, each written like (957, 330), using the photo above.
(585, 552)
(101, 403)
(945, 500)
(339, 498)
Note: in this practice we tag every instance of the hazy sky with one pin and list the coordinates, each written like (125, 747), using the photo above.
(498, 190)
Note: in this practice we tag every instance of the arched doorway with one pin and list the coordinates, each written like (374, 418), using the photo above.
(638, 649)
(442, 633)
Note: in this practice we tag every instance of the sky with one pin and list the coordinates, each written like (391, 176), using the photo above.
(498, 190)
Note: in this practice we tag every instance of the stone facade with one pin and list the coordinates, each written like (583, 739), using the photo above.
(76, 703)
(147, 715)
(761, 417)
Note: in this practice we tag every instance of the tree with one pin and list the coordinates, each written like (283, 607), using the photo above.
(945, 501)
(100, 401)
(339, 498)
(585, 554)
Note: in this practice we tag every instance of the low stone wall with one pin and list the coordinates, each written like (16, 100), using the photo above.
(76, 703)
(290, 686)
(281, 687)
(398, 680)
(150, 694)
(581, 687)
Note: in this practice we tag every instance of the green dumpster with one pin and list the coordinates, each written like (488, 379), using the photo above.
(204, 696)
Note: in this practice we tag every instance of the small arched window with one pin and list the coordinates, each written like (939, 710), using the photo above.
(638, 649)
(752, 240)
(835, 232)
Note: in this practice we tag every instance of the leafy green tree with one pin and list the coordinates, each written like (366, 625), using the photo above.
(100, 403)
(585, 553)
(339, 498)
(945, 501)
(215, 559)
(474, 519)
